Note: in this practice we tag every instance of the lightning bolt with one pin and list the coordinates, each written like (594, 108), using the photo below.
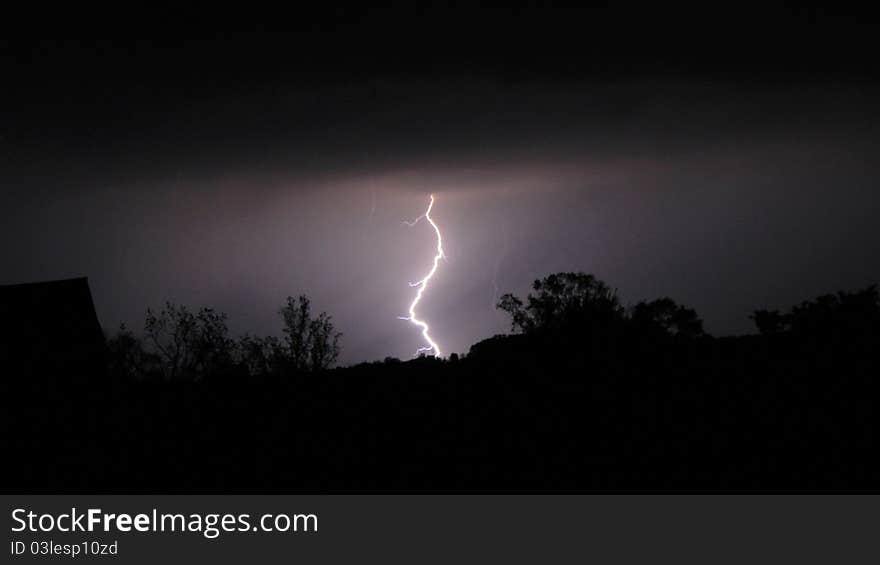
(423, 284)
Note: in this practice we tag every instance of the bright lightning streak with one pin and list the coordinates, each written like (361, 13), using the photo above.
(423, 284)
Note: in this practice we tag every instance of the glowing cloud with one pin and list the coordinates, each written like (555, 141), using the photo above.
(423, 284)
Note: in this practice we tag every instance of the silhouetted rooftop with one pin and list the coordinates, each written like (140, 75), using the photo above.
(49, 327)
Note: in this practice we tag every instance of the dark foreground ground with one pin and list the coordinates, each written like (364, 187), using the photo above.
(756, 412)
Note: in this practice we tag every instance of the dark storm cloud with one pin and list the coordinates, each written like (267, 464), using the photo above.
(459, 122)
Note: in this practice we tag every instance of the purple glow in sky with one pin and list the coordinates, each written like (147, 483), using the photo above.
(724, 196)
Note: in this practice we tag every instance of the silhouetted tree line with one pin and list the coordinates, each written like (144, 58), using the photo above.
(854, 315)
(585, 393)
(563, 302)
(178, 343)
(578, 301)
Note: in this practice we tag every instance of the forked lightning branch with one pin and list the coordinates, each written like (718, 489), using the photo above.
(422, 285)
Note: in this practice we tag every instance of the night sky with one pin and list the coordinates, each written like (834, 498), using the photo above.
(728, 159)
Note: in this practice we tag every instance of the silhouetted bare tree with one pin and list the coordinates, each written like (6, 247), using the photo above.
(189, 345)
(127, 357)
(260, 355)
(311, 344)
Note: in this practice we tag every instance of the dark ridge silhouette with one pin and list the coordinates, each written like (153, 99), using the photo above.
(587, 394)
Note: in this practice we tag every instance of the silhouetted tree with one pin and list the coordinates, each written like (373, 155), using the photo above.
(666, 316)
(770, 322)
(560, 300)
(260, 355)
(311, 344)
(323, 343)
(127, 357)
(520, 319)
(189, 345)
